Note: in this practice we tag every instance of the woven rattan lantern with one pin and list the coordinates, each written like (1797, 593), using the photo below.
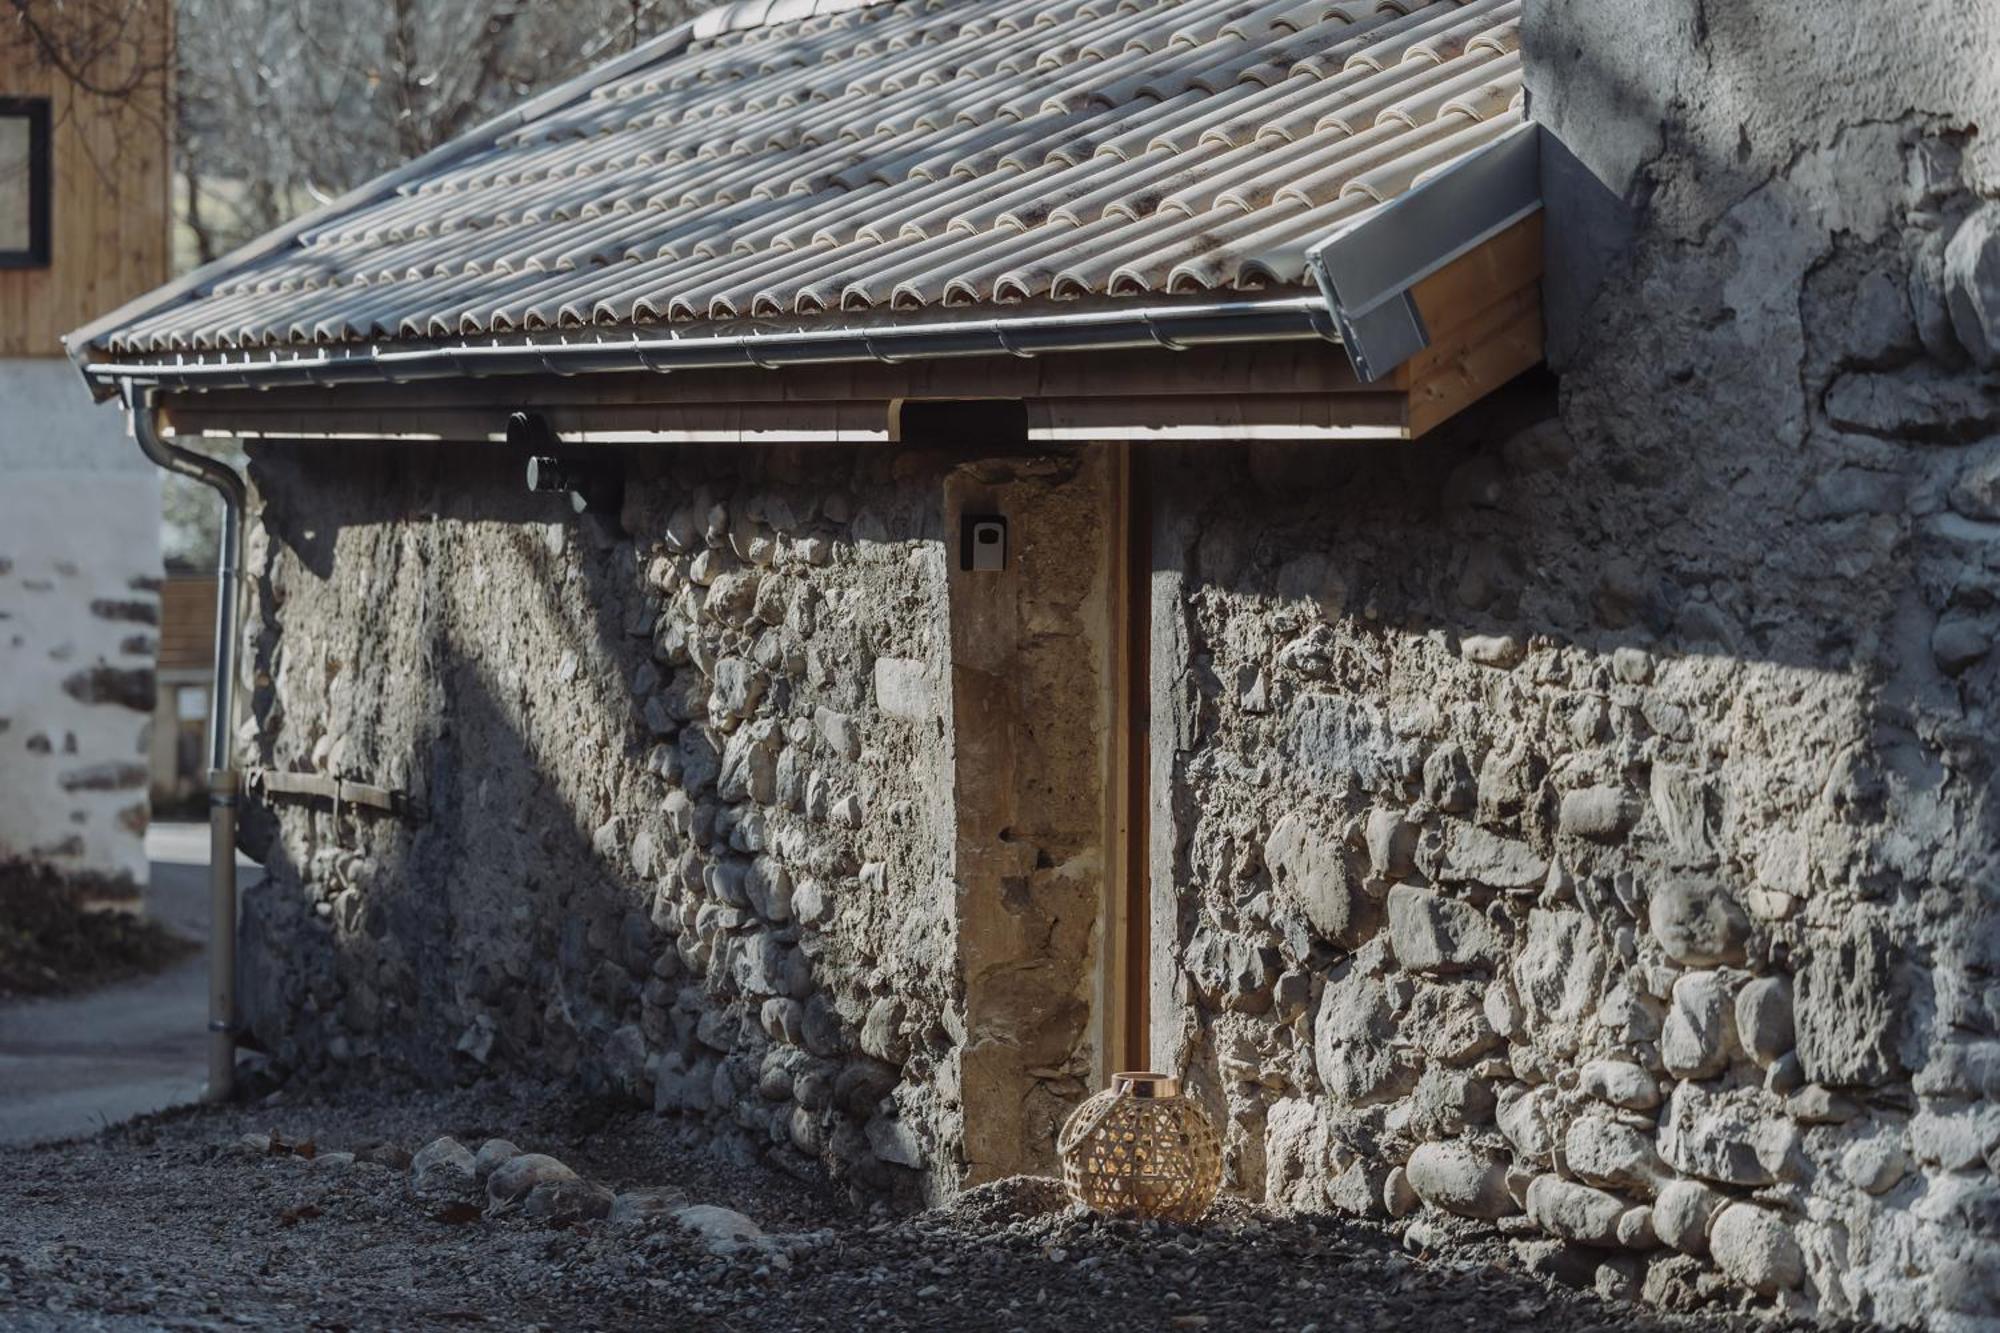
(1141, 1149)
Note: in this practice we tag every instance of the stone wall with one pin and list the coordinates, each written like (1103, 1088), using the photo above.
(79, 611)
(1579, 827)
(691, 828)
(1591, 810)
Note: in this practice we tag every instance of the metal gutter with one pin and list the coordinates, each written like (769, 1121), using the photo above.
(1171, 327)
(78, 342)
(223, 784)
(1365, 273)
(1367, 269)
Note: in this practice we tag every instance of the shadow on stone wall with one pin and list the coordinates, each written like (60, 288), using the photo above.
(596, 890)
(1502, 523)
(471, 938)
(1588, 812)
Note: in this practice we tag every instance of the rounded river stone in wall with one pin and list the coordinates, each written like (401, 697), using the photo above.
(1754, 1246)
(1460, 1179)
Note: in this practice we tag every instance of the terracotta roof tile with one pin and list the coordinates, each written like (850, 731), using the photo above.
(799, 157)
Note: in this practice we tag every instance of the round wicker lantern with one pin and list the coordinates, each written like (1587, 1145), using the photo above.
(1141, 1149)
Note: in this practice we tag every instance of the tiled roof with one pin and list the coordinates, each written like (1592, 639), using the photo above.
(800, 157)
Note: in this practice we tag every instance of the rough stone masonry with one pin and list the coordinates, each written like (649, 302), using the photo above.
(690, 825)
(1587, 819)
(1581, 825)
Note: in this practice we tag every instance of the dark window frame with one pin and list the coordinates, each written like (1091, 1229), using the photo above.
(41, 181)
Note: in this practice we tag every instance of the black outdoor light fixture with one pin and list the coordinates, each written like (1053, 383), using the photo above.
(593, 485)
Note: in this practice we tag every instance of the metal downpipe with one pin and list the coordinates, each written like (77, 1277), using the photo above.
(224, 782)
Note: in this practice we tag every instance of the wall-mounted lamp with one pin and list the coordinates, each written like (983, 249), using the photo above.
(594, 485)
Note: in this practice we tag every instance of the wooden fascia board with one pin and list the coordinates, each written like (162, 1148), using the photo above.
(1456, 293)
(1278, 367)
(854, 421)
(1254, 391)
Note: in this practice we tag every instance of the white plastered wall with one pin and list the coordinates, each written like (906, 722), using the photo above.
(79, 568)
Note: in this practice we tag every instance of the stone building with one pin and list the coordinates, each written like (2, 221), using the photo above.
(1553, 799)
(83, 224)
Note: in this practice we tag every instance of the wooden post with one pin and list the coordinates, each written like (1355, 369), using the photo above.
(1124, 996)
(1138, 635)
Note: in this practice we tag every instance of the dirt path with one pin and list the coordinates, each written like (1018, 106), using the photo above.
(71, 1066)
(171, 1224)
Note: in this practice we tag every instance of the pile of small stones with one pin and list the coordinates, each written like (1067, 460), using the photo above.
(500, 1179)
(1012, 1254)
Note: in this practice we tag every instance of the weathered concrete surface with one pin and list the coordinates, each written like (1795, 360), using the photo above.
(1666, 116)
(692, 830)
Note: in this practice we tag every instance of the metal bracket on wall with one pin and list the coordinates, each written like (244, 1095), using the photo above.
(1366, 270)
(276, 784)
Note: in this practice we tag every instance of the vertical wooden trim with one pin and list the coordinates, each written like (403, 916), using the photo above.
(1138, 710)
(1114, 985)
(1125, 996)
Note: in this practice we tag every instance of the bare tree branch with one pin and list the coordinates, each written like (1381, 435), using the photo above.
(285, 103)
(104, 48)
(110, 52)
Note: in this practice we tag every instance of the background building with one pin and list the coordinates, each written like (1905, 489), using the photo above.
(83, 225)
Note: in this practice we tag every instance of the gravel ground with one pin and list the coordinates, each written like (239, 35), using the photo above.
(170, 1223)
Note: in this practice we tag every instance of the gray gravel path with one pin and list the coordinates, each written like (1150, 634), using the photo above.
(72, 1065)
(169, 1224)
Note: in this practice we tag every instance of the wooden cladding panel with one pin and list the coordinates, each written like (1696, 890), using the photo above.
(1484, 315)
(1475, 280)
(840, 422)
(187, 624)
(1293, 367)
(109, 215)
(1475, 361)
(853, 421)
(1270, 416)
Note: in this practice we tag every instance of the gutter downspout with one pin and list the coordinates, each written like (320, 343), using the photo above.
(223, 780)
